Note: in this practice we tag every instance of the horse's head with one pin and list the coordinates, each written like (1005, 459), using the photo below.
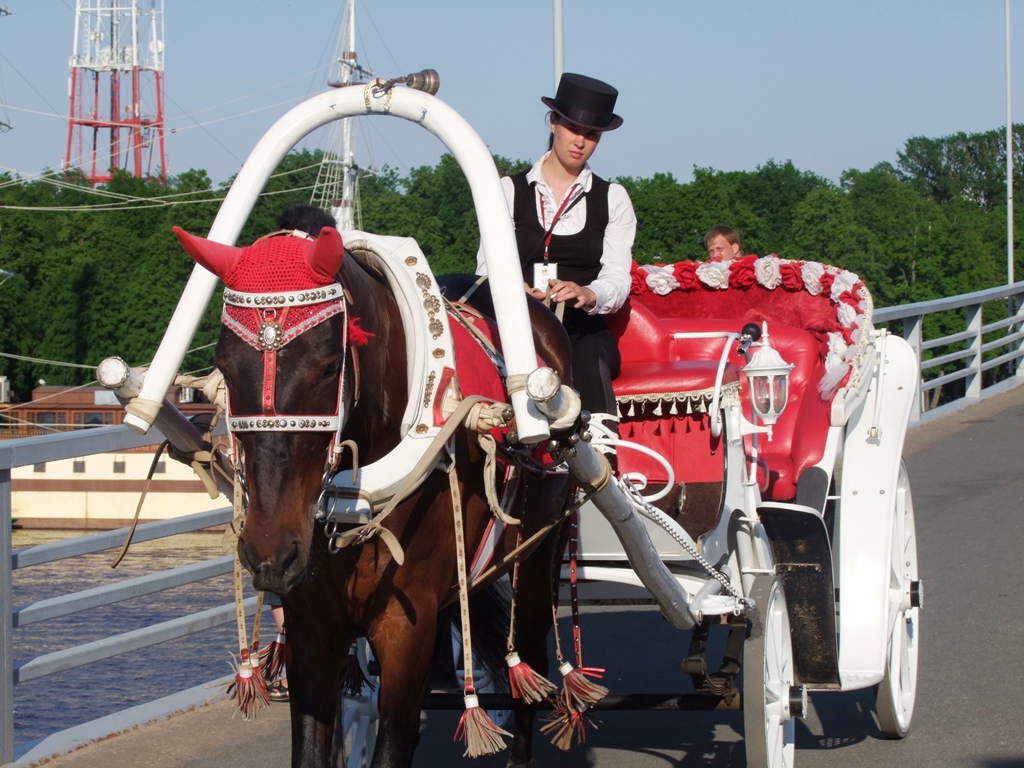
(283, 354)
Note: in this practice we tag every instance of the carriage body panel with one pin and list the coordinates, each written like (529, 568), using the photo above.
(869, 488)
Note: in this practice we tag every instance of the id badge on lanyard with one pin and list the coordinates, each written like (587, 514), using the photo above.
(548, 270)
(542, 272)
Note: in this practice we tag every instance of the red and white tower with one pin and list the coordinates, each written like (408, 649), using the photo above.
(117, 90)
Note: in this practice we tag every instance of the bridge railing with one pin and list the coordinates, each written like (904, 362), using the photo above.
(966, 359)
(35, 450)
(969, 359)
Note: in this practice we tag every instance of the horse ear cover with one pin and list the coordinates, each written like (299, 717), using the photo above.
(326, 255)
(215, 257)
(324, 258)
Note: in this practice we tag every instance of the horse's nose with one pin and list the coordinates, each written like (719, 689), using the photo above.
(279, 571)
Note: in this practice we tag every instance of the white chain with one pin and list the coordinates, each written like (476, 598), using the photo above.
(652, 512)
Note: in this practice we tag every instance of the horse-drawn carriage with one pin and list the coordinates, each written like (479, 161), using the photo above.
(759, 487)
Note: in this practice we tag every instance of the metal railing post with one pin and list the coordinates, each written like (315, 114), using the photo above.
(6, 624)
(912, 334)
(1017, 311)
(974, 324)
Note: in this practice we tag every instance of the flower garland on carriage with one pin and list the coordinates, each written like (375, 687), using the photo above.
(841, 324)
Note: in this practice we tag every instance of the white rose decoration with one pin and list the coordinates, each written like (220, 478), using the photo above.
(767, 272)
(714, 274)
(661, 280)
(847, 315)
(811, 272)
(837, 347)
(844, 282)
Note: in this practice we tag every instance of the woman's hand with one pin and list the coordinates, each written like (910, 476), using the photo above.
(569, 291)
(535, 292)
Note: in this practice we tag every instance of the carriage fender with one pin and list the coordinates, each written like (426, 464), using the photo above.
(803, 563)
(872, 451)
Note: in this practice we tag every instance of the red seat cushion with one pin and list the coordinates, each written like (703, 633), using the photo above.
(654, 361)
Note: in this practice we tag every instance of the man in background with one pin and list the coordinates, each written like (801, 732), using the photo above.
(723, 243)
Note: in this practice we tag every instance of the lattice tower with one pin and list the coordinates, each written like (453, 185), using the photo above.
(117, 90)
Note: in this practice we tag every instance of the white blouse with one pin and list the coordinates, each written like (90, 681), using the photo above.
(611, 287)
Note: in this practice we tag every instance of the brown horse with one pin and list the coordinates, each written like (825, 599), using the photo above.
(345, 352)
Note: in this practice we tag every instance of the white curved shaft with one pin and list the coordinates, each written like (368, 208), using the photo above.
(496, 232)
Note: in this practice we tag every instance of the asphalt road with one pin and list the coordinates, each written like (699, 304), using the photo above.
(968, 498)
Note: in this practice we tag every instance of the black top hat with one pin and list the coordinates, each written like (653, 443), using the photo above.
(585, 101)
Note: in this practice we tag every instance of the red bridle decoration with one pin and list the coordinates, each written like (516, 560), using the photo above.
(275, 290)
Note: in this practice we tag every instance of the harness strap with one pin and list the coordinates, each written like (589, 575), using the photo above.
(414, 479)
(490, 449)
(269, 380)
(516, 382)
(138, 508)
(460, 560)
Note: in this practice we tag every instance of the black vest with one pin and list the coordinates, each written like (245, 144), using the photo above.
(578, 256)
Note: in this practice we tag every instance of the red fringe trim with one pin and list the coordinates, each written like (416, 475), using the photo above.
(564, 721)
(249, 688)
(578, 689)
(271, 658)
(525, 683)
(569, 715)
(478, 732)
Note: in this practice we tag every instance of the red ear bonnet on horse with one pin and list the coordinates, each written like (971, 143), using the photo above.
(282, 263)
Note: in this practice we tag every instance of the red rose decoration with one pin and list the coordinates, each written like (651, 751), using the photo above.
(686, 273)
(792, 276)
(638, 280)
(741, 273)
(848, 297)
(826, 283)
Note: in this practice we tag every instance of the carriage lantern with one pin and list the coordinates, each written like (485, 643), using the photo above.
(768, 376)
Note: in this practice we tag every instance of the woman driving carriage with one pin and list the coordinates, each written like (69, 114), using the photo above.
(575, 235)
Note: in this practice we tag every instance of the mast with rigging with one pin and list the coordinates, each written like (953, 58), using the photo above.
(336, 187)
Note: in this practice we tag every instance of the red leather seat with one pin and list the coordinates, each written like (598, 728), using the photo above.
(654, 361)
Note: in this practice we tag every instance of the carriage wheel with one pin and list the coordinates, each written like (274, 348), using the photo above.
(768, 722)
(896, 693)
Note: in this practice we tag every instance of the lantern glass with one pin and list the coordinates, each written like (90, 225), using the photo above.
(768, 377)
(761, 394)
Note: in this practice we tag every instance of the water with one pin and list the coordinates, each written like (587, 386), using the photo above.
(50, 704)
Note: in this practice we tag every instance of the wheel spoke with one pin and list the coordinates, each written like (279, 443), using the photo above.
(897, 691)
(767, 679)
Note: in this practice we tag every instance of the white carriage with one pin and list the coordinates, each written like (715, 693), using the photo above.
(803, 544)
(814, 526)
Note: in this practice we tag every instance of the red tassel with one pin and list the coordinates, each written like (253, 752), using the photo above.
(525, 683)
(272, 658)
(569, 715)
(564, 721)
(352, 678)
(356, 335)
(249, 688)
(578, 690)
(478, 732)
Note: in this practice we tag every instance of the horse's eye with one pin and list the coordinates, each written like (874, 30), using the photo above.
(332, 370)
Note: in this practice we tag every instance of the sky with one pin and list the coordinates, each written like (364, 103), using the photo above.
(727, 85)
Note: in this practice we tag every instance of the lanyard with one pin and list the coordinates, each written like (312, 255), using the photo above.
(558, 214)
